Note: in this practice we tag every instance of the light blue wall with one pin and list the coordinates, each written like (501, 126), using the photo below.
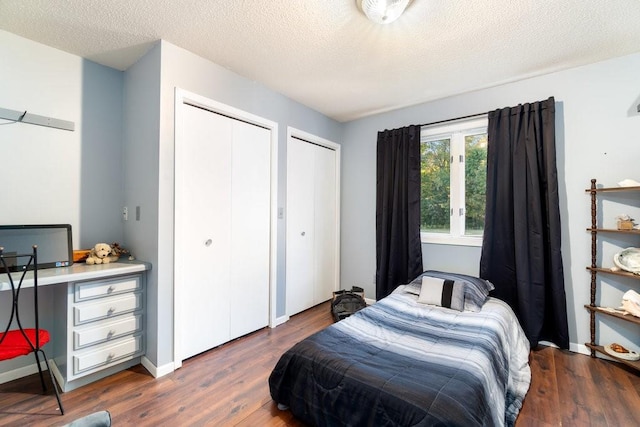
(141, 109)
(102, 173)
(149, 149)
(597, 128)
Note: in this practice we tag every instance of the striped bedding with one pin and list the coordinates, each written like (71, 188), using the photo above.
(402, 363)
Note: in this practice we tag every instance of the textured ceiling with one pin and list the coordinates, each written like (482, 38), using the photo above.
(327, 55)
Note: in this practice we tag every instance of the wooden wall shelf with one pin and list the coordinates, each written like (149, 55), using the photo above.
(613, 230)
(595, 269)
(625, 317)
(614, 272)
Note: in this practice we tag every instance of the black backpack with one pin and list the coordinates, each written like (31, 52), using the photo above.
(345, 303)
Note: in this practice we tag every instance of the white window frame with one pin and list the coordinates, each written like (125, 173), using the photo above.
(455, 132)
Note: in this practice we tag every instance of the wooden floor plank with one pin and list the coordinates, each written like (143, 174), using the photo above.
(578, 394)
(228, 386)
(617, 385)
(541, 402)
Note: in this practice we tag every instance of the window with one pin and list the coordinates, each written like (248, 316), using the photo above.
(453, 182)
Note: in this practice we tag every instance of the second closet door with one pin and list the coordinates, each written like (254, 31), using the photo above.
(325, 224)
(311, 261)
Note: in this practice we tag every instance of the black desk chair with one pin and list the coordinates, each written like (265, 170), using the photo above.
(16, 340)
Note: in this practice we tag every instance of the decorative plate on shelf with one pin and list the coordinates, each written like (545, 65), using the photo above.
(628, 260)
(620, 352)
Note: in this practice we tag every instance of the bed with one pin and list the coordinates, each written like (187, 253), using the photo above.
(401, 362)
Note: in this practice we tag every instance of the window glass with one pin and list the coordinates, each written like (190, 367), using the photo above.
(453, 182)
(435, 186)
(475, 182)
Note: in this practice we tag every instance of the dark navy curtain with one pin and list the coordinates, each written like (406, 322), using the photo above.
(521, 246)
(398, 246)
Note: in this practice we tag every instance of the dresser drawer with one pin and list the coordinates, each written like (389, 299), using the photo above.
(105, 308)
(107, 330)
(96, 289)
(106, 354)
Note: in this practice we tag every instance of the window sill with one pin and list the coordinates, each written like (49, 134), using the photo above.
(447, 239)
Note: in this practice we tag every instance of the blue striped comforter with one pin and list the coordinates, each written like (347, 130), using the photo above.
(402, 363)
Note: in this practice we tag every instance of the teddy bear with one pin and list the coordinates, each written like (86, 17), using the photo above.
(100, 254)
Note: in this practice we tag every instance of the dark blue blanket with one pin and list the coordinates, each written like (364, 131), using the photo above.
(401, 363)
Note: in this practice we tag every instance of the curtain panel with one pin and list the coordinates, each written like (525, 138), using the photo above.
(521, 252)
(398, 245)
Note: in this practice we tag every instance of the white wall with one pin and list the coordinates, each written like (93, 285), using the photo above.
(597, 131)
(46, 172)
(180, 68)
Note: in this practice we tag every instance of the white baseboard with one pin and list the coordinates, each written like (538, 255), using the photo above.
(550, 344)
(157, 372)
(577, 348)
(280, 320)
(370, 301)
(14, 374)
(57, 374)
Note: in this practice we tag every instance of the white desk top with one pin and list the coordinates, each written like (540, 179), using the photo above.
(74, 273)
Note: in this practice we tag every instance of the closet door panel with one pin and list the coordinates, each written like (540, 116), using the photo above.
(250, 229)
(205, 219)
(325, 223)
(300, 266)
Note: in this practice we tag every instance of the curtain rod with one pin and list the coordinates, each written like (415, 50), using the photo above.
(452, 120)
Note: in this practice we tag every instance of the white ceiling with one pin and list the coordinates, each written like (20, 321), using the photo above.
(327, 55)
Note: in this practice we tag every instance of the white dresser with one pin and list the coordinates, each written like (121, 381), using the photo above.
(99, 322)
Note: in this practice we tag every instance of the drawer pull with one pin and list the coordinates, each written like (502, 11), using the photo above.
(111, 311)
(110, 289)
(111, 356)
(110, 334)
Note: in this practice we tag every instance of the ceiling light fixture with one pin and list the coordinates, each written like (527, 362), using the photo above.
(383, 11)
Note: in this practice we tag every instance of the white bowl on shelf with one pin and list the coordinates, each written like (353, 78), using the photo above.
(628, 260)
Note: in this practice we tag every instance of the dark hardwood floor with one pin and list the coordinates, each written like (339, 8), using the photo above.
(227, 386)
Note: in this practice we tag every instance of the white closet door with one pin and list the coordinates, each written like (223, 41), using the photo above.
(325, 224)
(300, 268)
(204, 184)
(250, 228)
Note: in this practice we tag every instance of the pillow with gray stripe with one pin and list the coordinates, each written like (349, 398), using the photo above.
(476, 290)
(442, 292)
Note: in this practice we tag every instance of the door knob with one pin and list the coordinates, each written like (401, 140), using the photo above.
(208, 242)
(302, 234)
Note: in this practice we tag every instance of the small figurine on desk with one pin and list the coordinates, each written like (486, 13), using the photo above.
(117, 251)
